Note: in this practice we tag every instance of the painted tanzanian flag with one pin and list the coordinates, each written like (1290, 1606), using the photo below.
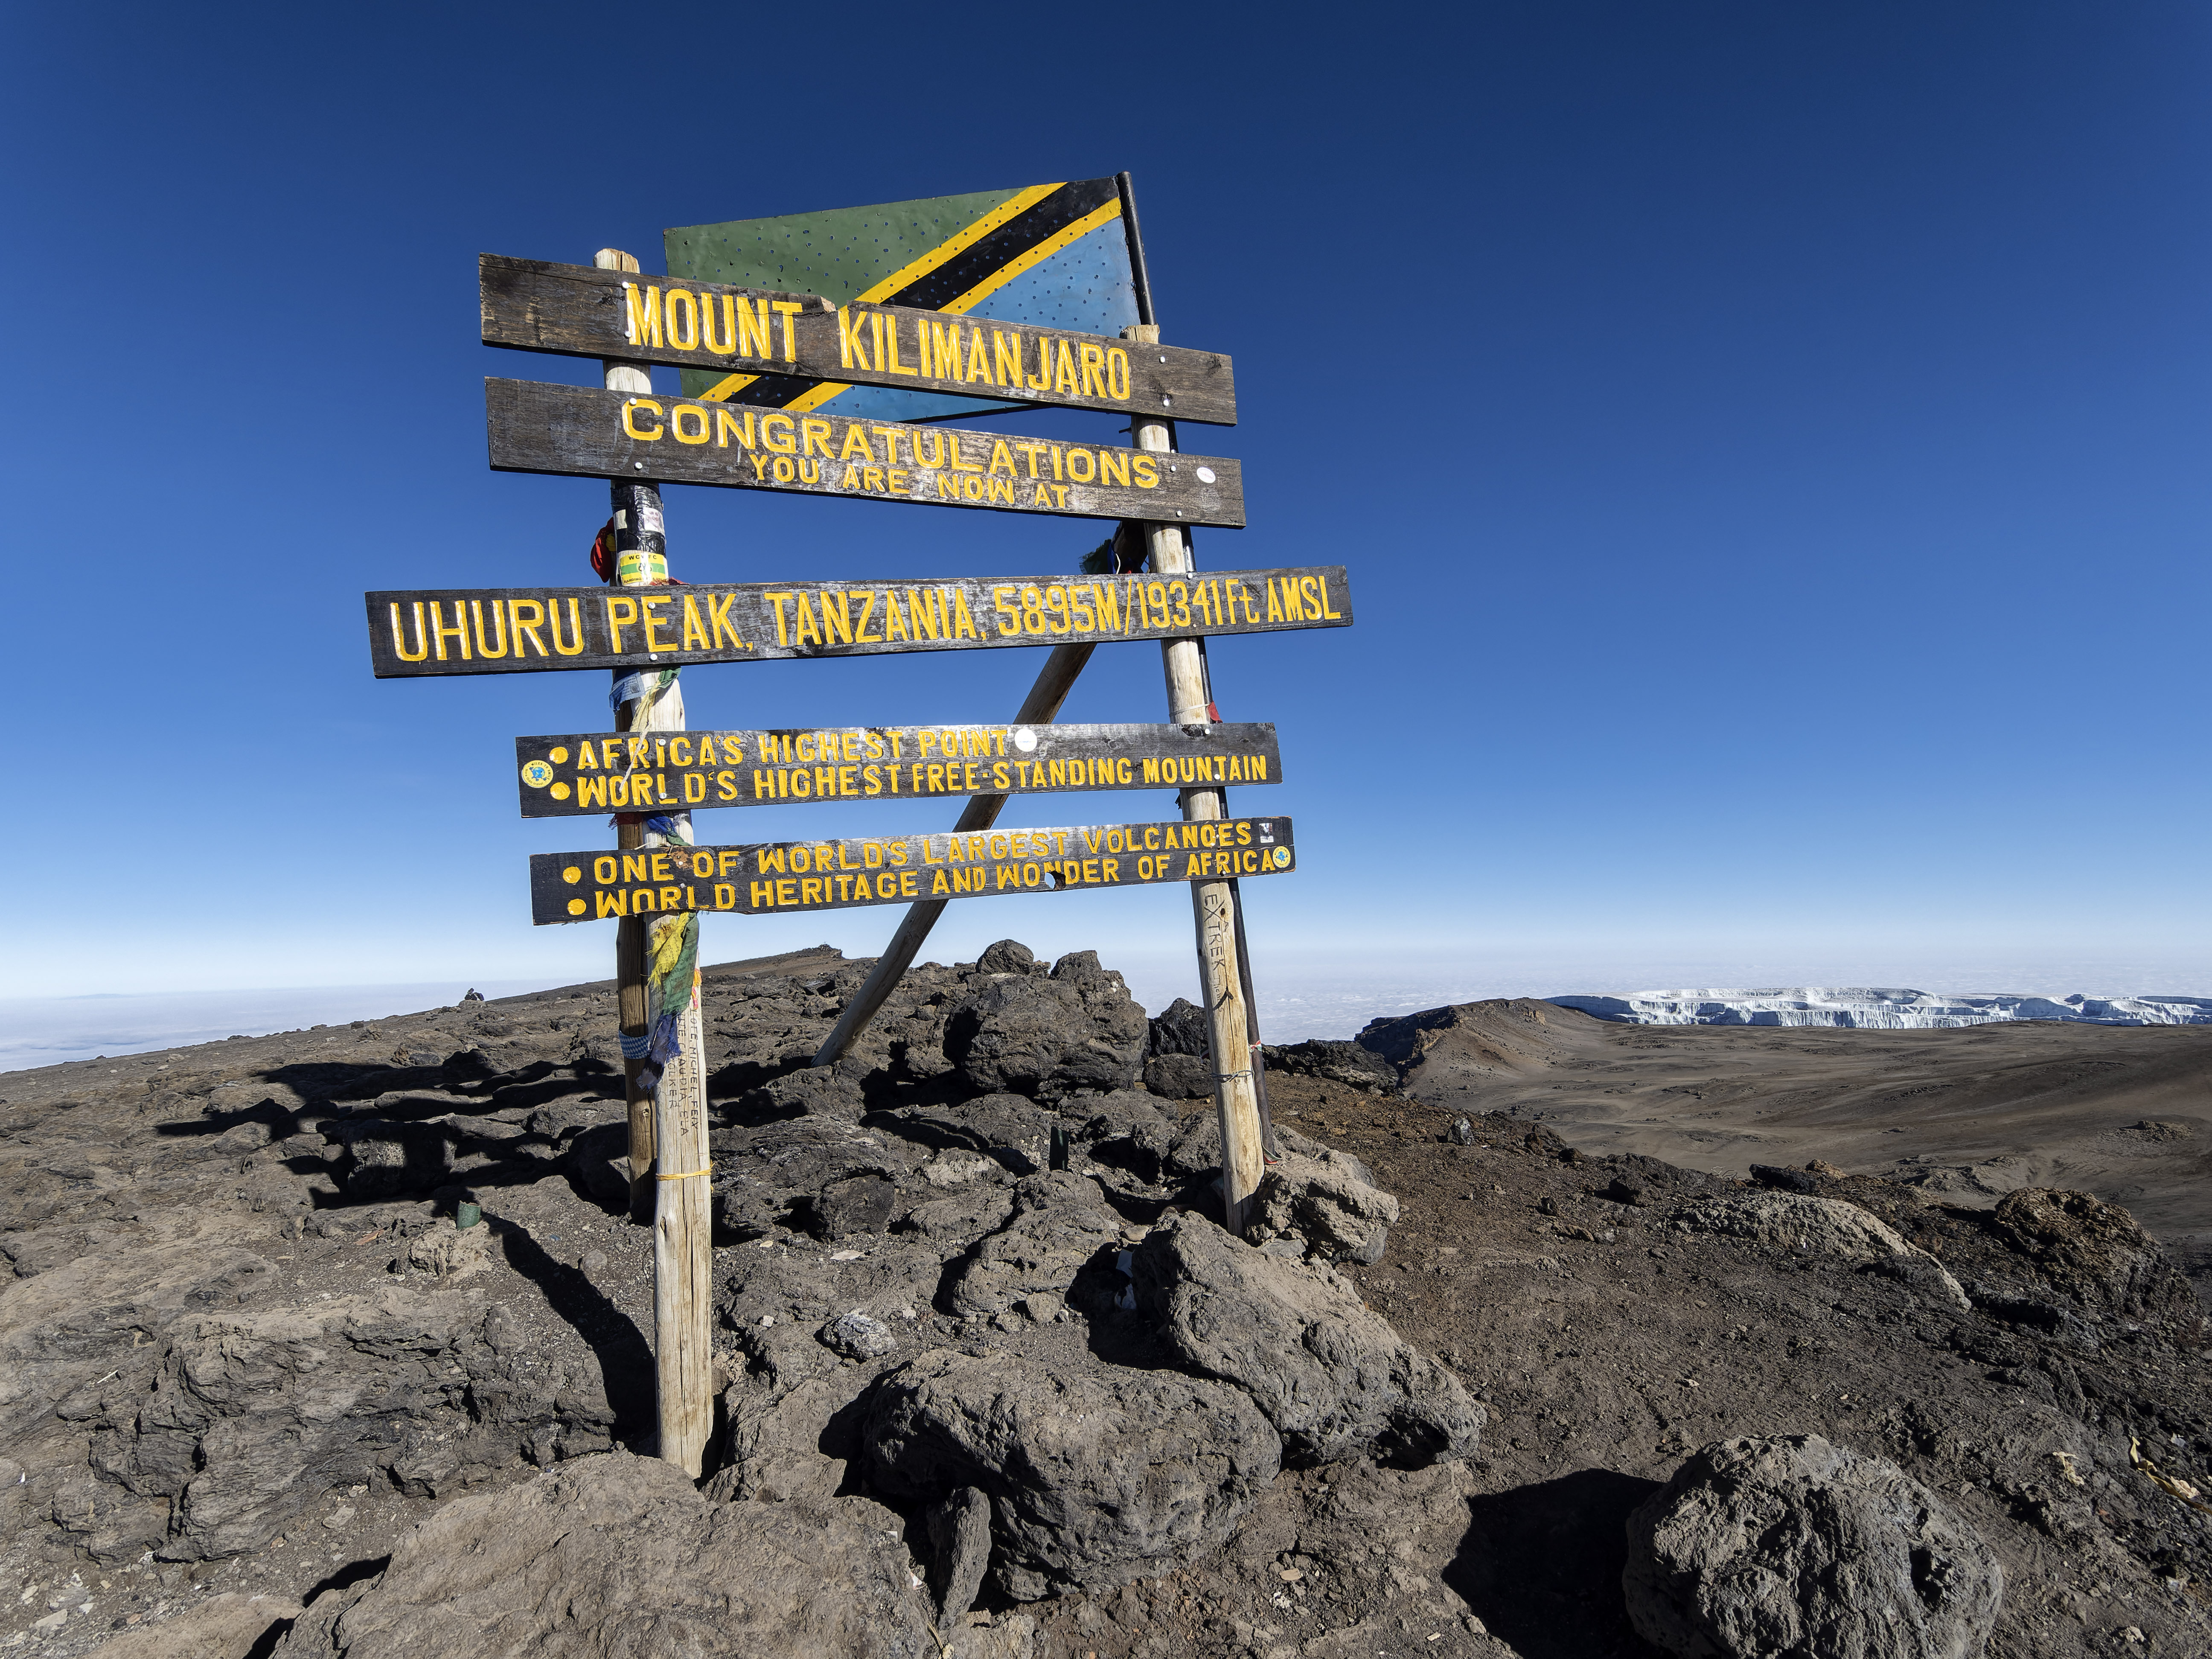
(1050, 256)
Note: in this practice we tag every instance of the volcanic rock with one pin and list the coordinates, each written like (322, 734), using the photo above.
(1179, 1077)
(1096, 1475)
(960, 1532)
(854, 1206)
(815, 1092)
(1047, 1036)
(1181, 1028)
(1324, 1206)
(616, 1557)
(219, 1627)
(386, 1158)
(1827, 1226)
(1008, 955)
(856, 1336)
(1347, 1063)
(1061, 1221)
(1791, 1545)
(2092, 1251)
(1332, 1377)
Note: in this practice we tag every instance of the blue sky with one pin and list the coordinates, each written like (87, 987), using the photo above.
(1767, 443)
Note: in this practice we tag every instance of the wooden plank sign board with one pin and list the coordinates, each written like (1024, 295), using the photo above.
(580, 311)
(658, 772)
(583, 432)
(777, 878)
(502, 630)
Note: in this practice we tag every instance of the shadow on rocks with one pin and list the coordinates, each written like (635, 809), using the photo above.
(625, 1356)
(1540, 1565)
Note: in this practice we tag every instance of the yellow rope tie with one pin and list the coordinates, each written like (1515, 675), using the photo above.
(687, 1175)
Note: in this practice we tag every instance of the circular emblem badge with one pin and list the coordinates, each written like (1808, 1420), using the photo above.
(537, 774)
(1025, 739)
(1282, 858)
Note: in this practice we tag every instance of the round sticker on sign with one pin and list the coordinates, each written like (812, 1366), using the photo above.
(1025, 739)
(1206, 475)
(537, 774)
(1282, 858)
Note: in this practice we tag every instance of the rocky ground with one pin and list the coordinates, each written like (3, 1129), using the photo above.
(261, 1395)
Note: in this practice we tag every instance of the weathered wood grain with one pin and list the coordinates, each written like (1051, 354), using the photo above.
(583, 432)
(639, 527)
(1236, 1064)
(532, 305)
(596, 773)
(779, 878)
(508, 630)
(668, 1128)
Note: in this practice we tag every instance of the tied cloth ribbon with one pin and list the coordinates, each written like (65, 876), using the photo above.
(643, 686)
(672, 956)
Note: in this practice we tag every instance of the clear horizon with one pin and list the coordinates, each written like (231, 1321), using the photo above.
(1310, 995)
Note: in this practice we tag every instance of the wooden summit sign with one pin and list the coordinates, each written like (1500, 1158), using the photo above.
(583, 432)
(780, 877)
(661, 772)
(523, 630)
(578, 310)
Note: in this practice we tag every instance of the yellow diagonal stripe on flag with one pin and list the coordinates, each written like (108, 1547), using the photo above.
(951, 247)
(808, 401)
(1036, 255)
(957, 244)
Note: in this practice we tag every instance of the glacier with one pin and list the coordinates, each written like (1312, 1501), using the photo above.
(1882, 1009)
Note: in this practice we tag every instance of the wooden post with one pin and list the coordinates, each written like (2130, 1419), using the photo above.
(638, 524)
(1213, 905)
(1190, 665)
(1267, 1146)
(1041, 708)
(667, 1130)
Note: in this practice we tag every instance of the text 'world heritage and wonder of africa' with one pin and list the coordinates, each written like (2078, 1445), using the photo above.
(837, 874)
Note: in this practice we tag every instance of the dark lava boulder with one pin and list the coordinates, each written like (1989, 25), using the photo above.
(1178, 1053)
(1008, 955)
(1331, 1377)
(1179, 1029)
(618, 1556)
(387, 1158)
(1179, 1077)
(2094, 1252)
(1096, 1475)
(1338, 1062)
(1791, 1546)
(814, 1091)
(1061, 1221)
(1326, 1209)
(1047, 1035)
